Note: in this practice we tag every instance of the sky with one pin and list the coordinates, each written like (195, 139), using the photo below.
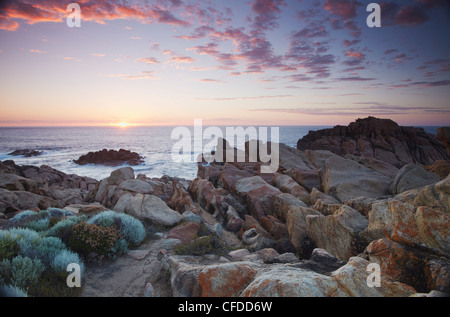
(227, 62)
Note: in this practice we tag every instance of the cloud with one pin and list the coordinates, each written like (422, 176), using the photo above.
(390, 51)
(354, 54)
(266, 14)
(98, 54)
(37, 51)
(361, 109)
(411, 15)
(210, 80)
(355, 78)
(182, 59)
(142, 75)
(70, 58)
(135, 38)
(432, 83)
(99, 11)
(348, 43)
(244, 98)
(199, 32)
(147, 60)
(345, 9)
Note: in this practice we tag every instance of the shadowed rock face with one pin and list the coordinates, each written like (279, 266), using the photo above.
(110, 158)
(382, 139)
(444, 135)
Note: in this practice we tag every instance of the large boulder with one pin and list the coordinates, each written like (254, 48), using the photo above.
(412, 176)
(285, 281)
(16, 182)
(148, 207)
(28, 200)
(347, 179)
(424, 227)
(308, 179)
(136, 186)
(435, 195)
(398, 262)
(283, 203)
(186, 232)
(340, 233)
(296, 225)
(384, 217)
(258, 194)
(288, 185)
(352, 279)
(220, 280)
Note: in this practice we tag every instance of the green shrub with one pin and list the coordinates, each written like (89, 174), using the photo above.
(24, 272)
(38, 221)
(63, 259)
(131, 229)
(120, 247)
(44, 248)
(92, 240)
(39, 225)
(64, 228)
(8, 246)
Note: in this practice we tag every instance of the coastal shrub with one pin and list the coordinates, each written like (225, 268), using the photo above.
(44, 248)
(11, 291)
(120, 247)
(39, 225)
(39, 221)
(131, 229)
(63, 259)
(20, 220)
(21, 235)
(64, 228)
(91, 240)
(8, 246)
(22, 272)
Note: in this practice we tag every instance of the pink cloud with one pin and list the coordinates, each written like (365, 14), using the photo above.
(147, 60)
(346, 9)
(37, 51)
(99, 11)
(353, 54)
(182, 59)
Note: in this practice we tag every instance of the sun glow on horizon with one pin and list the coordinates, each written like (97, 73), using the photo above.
(123, 124)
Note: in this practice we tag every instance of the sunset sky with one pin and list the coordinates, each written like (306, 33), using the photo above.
(228, 62)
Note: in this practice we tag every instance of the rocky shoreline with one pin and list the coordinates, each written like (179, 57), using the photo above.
(336, 205)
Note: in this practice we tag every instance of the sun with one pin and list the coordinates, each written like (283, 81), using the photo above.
(123, 124)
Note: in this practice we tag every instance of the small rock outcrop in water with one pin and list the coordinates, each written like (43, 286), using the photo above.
(111, 158)
(382, 139)
(25, 152)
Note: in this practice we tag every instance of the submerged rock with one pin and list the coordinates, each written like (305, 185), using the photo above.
(25, 153)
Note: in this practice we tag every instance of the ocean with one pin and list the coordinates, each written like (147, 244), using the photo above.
(62, 145)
